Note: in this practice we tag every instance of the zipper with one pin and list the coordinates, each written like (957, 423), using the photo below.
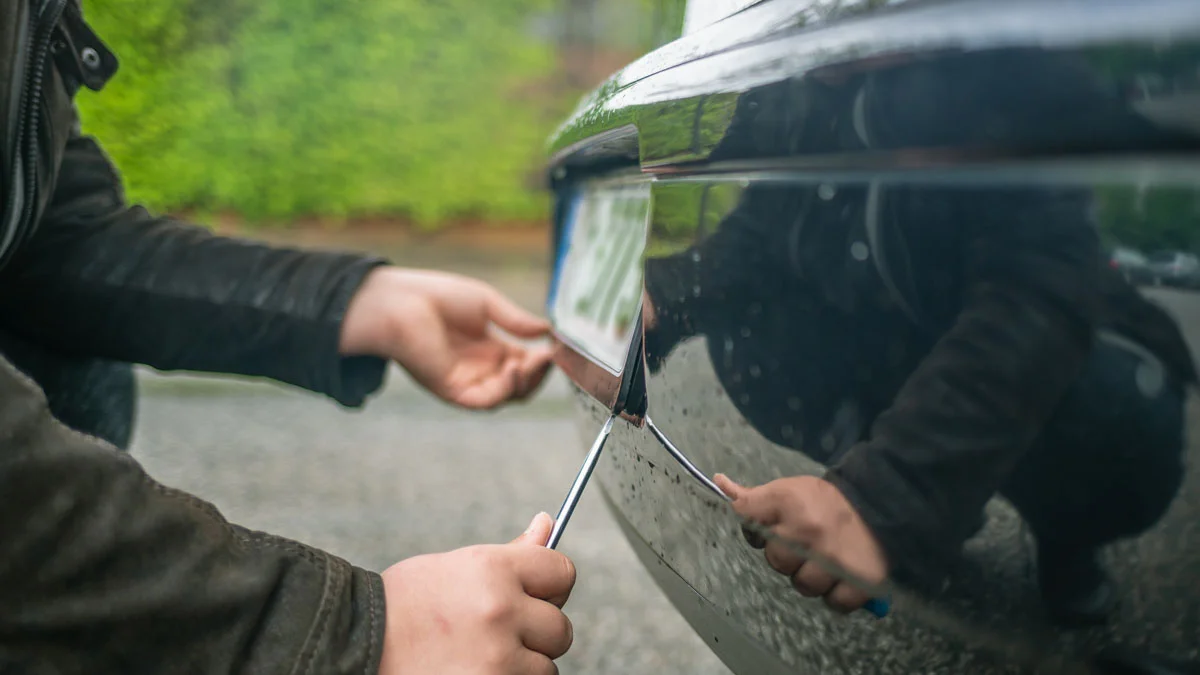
(27, 123)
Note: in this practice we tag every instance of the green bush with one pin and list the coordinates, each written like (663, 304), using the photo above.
(274, 109)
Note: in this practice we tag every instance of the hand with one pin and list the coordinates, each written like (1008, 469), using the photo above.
(816, 515)
(484, 610)
(439, 327)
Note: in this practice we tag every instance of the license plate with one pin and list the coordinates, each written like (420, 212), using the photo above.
(596, 291)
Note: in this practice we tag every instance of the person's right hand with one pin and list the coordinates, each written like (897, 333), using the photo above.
(482, 610)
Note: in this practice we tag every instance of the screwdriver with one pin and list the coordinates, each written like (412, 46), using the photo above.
(877, 606)
(581, 481)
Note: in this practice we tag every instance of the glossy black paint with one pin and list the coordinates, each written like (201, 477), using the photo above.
(824, 177)
(943, 64)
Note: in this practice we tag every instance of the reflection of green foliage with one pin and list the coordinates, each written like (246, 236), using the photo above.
(1151, 219)
(277, 108)
(685, 212)
(714, 120)
(666, 130)
(684, 130)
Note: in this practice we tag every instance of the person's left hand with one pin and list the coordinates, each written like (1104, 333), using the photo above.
(441, 328)
(813, 513)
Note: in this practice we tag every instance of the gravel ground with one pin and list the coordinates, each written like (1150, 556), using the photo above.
(408, 475)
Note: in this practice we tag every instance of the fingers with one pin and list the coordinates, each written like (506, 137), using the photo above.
(813, 581)
(782, 559)
(535, 364)
(533, 663)
(545, 629)
(492, 390)
(809, 512)
(512, 373)
(538, 532)
(846, 598)
(544, 574)
(507, 315)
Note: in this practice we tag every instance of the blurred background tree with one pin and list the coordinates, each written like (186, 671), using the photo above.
(273, 110)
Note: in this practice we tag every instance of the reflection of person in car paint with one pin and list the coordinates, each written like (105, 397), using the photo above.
(933, 345)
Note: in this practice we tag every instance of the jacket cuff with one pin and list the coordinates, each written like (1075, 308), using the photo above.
(917, 554)
(349, 380)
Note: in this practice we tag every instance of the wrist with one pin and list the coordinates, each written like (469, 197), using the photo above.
(364, 327)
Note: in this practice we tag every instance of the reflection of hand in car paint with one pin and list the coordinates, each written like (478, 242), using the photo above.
(935, 346)
(813, 513)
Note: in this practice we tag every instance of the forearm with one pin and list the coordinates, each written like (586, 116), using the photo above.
(103, 568)
(957, 427)
(104, 279)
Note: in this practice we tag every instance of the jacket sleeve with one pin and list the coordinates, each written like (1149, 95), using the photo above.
(100, 278)
(978, 400)
(105, 571)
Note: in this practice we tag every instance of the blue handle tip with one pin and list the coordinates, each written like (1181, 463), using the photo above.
(878, 607)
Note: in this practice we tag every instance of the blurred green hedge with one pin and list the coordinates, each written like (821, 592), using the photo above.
(275, 109)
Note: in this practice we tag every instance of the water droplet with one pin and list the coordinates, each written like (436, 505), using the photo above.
(826, 191)
(728, 347)
(793, 403)
(859, 251)
(787, 430)
(696, 291)
(745, 331)
(755, 371)
(695, 256)
(1149, 380)
(827, 442)
(755, 309)
(745, 399)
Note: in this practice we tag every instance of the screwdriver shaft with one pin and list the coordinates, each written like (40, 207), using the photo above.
(581, 480)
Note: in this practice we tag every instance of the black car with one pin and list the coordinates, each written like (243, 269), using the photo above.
(858, 238)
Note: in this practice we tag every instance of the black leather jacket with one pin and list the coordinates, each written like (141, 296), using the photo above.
(101, 568)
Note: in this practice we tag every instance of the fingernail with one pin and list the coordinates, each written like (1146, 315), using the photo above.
(533, 523)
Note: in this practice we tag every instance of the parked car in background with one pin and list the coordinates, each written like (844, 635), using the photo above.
(761, 231)
(1131, 263)
(1174, 268)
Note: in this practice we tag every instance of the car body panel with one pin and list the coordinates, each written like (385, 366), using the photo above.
(860, 153)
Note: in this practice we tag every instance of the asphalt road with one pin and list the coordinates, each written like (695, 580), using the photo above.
(1184, 307)
(406, 476)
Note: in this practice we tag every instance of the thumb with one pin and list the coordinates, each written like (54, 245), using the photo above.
(758, 504)
(507, 315)
(538, 532)
(729, 487)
